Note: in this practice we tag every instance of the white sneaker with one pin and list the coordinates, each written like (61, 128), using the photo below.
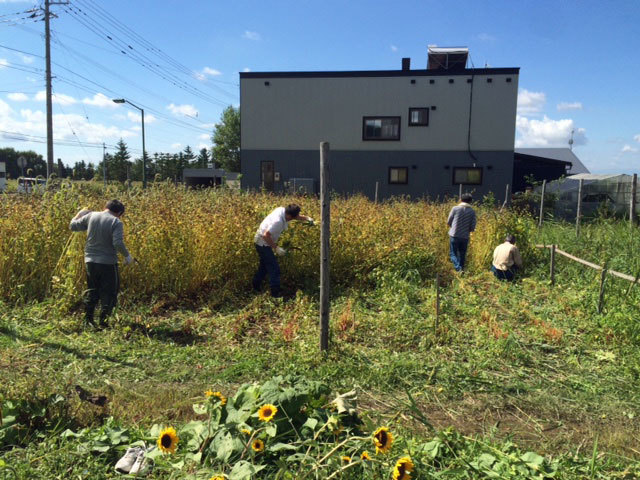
(142, 465)
(125, 464)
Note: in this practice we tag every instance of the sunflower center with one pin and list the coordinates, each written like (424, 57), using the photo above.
(166, 441)
(267, 412)
(383, 437)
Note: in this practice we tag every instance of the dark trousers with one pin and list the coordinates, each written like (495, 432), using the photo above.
(458, 252)
(103, 283)
(508, 275)
(268, 265)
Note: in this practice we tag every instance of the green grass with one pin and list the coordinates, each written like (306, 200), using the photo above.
(526, 362)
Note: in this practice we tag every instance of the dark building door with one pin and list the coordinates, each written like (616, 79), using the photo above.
(267, 175)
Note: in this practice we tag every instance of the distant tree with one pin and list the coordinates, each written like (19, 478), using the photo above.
(90, 172)
(35, 162)
(203, 158)
(226, 139)
(119, 165)
(188, 155)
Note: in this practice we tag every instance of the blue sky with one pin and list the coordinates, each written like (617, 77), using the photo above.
(578, 60)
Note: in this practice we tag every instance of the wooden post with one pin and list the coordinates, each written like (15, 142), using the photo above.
(603, 276)
(632, 205)
(437, 303)
(376, 197)
(506, 198)
(552, 267)
(324, 246)
(460, 193)
(541, 218)
(579, 209)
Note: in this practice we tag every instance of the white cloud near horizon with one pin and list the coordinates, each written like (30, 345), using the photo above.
(188, 110)
(547, 132)
(569, 106)
(203, 145)
(100, 100)
(637, 138)
(18, 97)
(137, 118)
(59, 98)
(394, 48)
(204, 136)
(249, 35)
(530, 103)
(211, 71)
(246, 69)
(176, 145)
(628, 149)
(3, 62)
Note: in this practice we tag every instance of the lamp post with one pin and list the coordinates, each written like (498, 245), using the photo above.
(144, 152)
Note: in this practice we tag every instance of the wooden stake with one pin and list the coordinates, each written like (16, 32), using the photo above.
(460, 193)
(603, 276)
(553, 265)
(579, 209)
(632, 205)
(544, 187)
(324, 246)
(437, 303)
(376, 197)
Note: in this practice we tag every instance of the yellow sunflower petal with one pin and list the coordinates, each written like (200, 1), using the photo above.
(168, 440)
(267, 412)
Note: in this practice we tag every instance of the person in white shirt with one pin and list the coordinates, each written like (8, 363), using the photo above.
(506, 259)
(266, 242)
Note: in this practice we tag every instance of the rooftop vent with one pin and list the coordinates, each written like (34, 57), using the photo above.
(447, 58)
(406, 64)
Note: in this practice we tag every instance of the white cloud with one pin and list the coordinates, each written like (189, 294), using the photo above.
(569, 106)
(176, 145)
(251, 35)
(485, 37)
(394, 48)
(204, 136)
(637, 138)
(246, 69)
(27, 59)
(203, 145)
(136, 117)
(629, 149)
(211, 71)
(188, 110)
(5, 109)
(18, 97)
(547, 132)
(530, 103)
(59, 98)
(3, 62)
(100, 100)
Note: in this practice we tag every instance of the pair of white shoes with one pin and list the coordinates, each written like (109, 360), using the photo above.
(134, 462)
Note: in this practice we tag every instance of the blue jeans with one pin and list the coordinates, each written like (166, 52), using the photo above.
(268, 265)
(508, 275)
(458, 252)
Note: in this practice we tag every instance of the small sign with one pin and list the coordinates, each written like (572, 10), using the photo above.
(22, 162)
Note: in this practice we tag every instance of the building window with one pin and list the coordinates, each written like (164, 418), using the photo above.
(419, 117)
(381, 128)
(398, 175)
(467, 176)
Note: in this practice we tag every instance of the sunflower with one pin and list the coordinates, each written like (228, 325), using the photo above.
(246, 431)
(220, 396)
(267, 412)
(257, 445)
(365, 456)
(346, 459)
(382, 439)
(168, 440)
(217, 477)
(403, 469)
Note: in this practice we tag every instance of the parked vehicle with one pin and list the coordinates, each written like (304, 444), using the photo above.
(31, 185)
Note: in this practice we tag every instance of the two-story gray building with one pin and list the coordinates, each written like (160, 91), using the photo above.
(417, 132)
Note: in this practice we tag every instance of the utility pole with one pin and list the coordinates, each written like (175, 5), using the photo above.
(104, 165)
(47, 38)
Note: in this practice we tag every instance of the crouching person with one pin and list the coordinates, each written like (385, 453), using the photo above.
(266, 242)
(506, 259)
(105, 238)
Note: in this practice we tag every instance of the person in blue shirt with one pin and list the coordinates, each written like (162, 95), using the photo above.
(461, 221)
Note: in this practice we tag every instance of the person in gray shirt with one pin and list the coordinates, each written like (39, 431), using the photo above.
(105, 238)
(461, 221)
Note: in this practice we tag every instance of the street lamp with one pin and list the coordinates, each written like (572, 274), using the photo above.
(144, 153)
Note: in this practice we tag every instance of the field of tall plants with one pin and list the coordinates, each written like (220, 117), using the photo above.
(515, 381)
(196, 244)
